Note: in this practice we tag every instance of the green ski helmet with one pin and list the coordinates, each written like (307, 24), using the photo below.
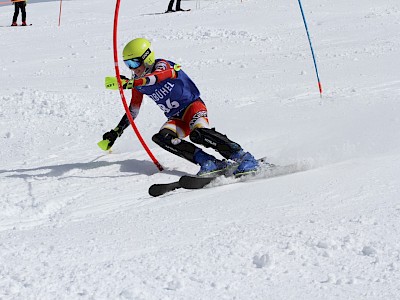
(137, 52)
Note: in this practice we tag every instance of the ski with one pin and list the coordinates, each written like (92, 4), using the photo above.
(180, 10)
(198, 182)
(166, 12)
(160, 189)
(20, 25)
(194, 182)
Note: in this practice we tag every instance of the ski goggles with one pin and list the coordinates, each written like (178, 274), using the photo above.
(133, 63)
(136, 62)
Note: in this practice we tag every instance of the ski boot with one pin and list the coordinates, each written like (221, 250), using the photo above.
(247, 162)
(209, 165)
(23, 24)
(14, 24)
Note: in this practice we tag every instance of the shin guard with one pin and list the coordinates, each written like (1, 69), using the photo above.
(211, 138)
(168, 140)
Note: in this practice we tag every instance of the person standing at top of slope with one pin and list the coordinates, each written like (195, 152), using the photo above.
(19, 5)
(176, 94)
(177, 7)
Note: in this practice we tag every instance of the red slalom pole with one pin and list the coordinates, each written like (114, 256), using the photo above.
(121, 91)
(59, 15)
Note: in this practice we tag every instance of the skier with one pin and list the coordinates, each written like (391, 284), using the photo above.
(176, 94)
(19, 5)
(177, 7)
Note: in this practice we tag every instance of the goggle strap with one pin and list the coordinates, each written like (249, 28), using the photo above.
(146, 54)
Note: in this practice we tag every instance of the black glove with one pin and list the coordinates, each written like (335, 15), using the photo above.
(112, 135)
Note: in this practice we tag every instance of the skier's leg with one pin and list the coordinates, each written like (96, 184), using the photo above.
(178, 5)
(196, 117)
(16, 12)
(171, 3)
(171, 137)
(169, 140)
(211, 138)
(23, 11)
(227, 148)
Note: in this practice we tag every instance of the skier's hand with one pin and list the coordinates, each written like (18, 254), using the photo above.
(111, 83)
(109, 138)
(130, 84)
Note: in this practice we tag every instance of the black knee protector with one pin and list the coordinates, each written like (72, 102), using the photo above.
(168, 140)
(218, 141)
(164, 136)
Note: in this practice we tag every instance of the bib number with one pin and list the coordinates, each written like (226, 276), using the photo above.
(169, 105)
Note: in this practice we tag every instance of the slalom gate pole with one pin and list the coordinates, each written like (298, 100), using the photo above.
(59, 15)
(121, 90)
(312, 50)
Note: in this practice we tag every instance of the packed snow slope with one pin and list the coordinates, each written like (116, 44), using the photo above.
(78, 223)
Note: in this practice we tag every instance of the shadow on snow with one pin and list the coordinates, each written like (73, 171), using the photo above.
(132, 166)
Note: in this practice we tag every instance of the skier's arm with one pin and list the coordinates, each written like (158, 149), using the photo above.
(134, 108)
(110, 137)
(163, 71)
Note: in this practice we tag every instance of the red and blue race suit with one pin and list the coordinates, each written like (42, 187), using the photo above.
(172, 95)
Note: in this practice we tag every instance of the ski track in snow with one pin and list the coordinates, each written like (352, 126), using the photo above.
(77, 223)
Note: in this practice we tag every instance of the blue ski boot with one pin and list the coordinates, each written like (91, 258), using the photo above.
(209, 165)
(247, 162)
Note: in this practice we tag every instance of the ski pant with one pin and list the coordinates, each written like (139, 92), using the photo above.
(171, 3)
(19, 6)
(193, 122)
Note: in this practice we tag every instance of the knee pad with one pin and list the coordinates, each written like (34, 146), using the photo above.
(168, 140)
(164, 136)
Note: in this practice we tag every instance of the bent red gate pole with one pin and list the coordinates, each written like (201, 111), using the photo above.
(121, 90)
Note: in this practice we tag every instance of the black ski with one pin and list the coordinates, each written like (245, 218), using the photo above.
(172, 11)
(266, 170)
(195, 182)
(166, 12)
(160, 189)
(198, 182)
(20, 25)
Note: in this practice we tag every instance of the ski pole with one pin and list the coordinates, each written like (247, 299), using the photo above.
(312, 50)
(121, 91)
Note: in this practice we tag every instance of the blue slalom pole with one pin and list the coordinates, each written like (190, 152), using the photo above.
(311, 47)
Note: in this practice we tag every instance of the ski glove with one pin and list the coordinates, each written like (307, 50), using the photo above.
(111, 83)
(109, 138)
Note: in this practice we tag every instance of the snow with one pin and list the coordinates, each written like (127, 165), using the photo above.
(78, 223)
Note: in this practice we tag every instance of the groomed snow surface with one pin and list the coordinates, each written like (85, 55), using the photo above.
(78, 223)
